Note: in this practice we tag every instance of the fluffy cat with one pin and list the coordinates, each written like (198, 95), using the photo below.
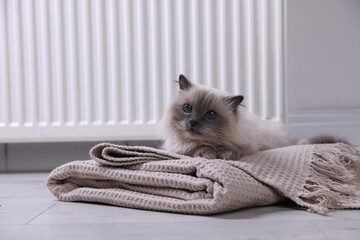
(206, 122)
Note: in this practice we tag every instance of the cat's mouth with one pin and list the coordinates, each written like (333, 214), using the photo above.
(193, 131)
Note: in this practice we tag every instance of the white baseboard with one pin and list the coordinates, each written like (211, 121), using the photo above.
(41, 157)
(341, 123)
(47, 156)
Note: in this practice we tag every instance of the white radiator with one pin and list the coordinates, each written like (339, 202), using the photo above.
(105, 69)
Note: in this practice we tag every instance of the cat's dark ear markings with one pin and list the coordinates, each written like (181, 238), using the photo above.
(184, 83)
(234, 101)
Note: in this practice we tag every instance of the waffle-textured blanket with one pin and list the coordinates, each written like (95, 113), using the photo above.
(317, 177)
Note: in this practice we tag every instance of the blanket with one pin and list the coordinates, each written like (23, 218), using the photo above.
(316, 177)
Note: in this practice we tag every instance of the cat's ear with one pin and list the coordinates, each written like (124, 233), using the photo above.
(184, 83)
(234, 101)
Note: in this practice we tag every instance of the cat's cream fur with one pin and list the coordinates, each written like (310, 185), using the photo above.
(234, 133)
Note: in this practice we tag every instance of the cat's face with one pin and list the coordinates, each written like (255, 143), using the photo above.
(201, 114)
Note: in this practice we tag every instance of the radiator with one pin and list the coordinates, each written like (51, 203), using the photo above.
(105, 69)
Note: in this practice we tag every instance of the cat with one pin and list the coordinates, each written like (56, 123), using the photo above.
(206, 122)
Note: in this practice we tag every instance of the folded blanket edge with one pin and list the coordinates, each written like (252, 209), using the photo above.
(331, 183)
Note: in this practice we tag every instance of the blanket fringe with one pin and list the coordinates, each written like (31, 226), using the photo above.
(332, 178)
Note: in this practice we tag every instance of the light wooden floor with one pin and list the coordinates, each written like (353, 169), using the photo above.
(28, 211)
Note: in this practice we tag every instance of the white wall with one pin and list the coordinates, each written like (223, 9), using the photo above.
(323, 54)
(323, 68)
(323, 59)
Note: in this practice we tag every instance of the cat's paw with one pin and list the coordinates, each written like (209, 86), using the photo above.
(227, 154)
(205, 152)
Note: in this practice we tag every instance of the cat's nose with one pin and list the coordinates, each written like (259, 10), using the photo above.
(193, 123)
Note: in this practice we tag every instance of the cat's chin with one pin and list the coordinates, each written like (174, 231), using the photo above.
(192, 134)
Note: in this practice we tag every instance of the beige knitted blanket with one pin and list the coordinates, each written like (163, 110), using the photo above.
(317, 177)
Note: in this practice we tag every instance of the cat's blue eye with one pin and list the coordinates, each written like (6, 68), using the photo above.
(211, 115)
(187, 108)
